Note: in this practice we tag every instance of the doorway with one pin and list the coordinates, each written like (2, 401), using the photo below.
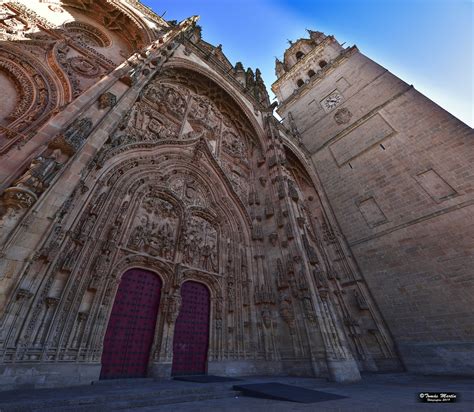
(191, 334)
(131, 327)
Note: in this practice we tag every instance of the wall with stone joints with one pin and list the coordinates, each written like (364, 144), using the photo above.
(397, 174)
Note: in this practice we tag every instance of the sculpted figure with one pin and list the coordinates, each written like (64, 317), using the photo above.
(136, 238)
(40, 172)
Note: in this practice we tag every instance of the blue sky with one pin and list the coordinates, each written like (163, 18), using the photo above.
(427, 43)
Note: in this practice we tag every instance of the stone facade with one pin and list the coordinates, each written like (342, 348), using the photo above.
(130, 142)
(396, 170)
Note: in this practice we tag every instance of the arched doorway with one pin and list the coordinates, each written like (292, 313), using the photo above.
(191, 334)
(131, 326)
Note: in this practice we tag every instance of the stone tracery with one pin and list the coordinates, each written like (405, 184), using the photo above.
(181, 186)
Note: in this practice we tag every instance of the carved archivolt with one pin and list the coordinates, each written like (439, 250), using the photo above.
(23, 84)
(36, 92)
(87, 34)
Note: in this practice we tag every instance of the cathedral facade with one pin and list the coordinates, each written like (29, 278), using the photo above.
(157, 219)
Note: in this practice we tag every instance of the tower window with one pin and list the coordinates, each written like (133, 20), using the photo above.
(311, 73)
(300, 82)
(323, 63)
(299, 55)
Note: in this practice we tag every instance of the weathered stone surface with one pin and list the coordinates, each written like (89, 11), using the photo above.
(397, 174)
(150, 150)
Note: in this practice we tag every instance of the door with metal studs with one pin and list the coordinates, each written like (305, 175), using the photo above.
(191, 335)
(131, 327)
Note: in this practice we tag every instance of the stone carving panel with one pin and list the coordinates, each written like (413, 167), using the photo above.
(83, 66)
(233, 145)
(154, 229)
(167, 98)
(186, 188)
(200, 244)
(144, 124)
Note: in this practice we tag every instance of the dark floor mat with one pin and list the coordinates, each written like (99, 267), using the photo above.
(205, 378)
(280, 391)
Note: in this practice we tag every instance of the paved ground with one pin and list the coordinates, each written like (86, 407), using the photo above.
(376, 392)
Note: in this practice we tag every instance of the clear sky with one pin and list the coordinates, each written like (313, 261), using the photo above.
(427, 43)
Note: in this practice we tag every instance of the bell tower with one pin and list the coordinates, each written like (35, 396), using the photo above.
(396, 169)
(302, 61)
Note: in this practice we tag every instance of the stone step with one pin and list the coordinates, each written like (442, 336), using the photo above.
(138, 402)
(124, 399)
(131, 381)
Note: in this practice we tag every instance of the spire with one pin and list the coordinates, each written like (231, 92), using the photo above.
(279, 68)
(239, 67)
(249, 78)
(317, 36)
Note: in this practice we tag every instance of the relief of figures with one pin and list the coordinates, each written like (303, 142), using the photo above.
(144, 124)
(167, 97)
(154, 230)
(200, 244)
(233, 145)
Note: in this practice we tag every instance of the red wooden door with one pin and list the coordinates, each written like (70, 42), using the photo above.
(191, 334)
(131, 327)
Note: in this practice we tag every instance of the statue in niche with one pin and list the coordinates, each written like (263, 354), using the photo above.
(308, 307)
(136, 238)
(286, 310)
(40, 172)
(85, 228)
(266, 317)
(70, 258)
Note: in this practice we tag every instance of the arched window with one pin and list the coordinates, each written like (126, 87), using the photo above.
(299, 55)
(322, 63)
(300, 82)
(311, 73)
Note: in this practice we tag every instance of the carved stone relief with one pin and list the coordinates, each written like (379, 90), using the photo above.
(200, 244)
(154, 229)
(87, 34)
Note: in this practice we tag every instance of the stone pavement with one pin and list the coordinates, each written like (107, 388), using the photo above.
(376, 392)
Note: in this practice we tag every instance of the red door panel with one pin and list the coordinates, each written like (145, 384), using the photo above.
(191, 334)
(131, 327)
